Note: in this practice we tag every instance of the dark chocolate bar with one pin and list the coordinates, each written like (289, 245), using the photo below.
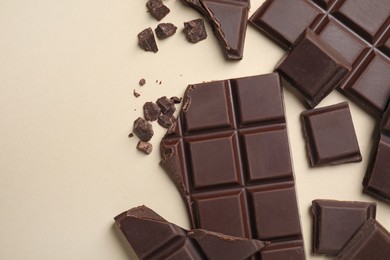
(358, 29)
(228, 19)
(330, 136)
(372, 241)
(152, 237)
(335, 223)
(229, 156)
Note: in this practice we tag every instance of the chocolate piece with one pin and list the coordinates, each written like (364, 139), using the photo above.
(152, 237)
(313, 68)
(136, 94)
(229, 156)
(335, 223)
(229, 21)
(357, 30)
(130, 135)
(372, 241)
(146, 40)
(151, 111)
(142, 82)
(167, 105)
(330, 136)
(164, 30)
(176, 100)
(144, 147)
(143, 129)
(157, 9)
(195, 30)
(165, 120)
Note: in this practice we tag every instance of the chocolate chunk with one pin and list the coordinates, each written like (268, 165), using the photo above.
(335, 223)
(330, 135)
(143, 129)
(313, 68)
(165, 120)
(151, 111)
(167, 105)
(144, 147)
(157, 9)
(228, 154)
(136, 94)
(146, 40)
(142, 82)
(131, 135)
(372, 241)
(229, 21)
(164, 30)
(152, 237)
(176, 100)
(195, 30)
(357, 30)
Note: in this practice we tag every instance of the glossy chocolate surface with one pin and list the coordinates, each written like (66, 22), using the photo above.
(335, 223)
(330, 135)
(358, 29)
(229, 156)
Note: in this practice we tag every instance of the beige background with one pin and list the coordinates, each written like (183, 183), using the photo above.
(67, 72)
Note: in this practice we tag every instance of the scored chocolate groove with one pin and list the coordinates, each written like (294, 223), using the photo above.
(229, 155)
(358, 29)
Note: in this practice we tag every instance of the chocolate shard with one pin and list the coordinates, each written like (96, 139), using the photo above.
(336, 222)
(313, 68)
(229, 159)
(157, 9)
(372, 241)
(195, 31)
(164, 30)
(151, 111)
(167, 105)
(165, 121)
(146, 40)
(152, 237)
(144, 147)
(229, 21)
(143, 129)
(176, 100)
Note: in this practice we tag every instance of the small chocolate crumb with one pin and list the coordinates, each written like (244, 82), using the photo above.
(195, 30)
(165, 120)
(136, 94)
(160, 82)
(164, 30)
(145, 147)
(176, 100)
(142, 82)
(167, 106)
(131, 135)
(143, 129)
(146, 40)
(156, 80)
(151, 111)
(157, 9)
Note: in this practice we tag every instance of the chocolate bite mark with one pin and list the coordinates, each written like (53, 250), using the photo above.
(330, 135)
(164, 30)
(143, 129)
(151, 111)
(195, 30)
(157, 9)
(144, 147)
(336, 222)
(146, 40)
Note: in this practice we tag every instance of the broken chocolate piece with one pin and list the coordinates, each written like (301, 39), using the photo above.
(136, 94)
(142, 82)
(164, 30)
(157, 9)
(151, 111)
(195, 30)
(146, 40)
(144, 147)
(152, 237)
(176, 100)
(165, 120)
(143, 129)
(330, 135)
(131, 135)
(167, 105)
(336, 222)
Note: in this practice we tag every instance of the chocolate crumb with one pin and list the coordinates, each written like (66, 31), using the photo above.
(157, 9)
(143, 129)
(165, 120)
(142, 82)
(145, 147)
(131, 135)
(167, 106)
(176, 100)
(146, 40)
(151, 111)
(136, 94)
(164, 30)
(195, 30)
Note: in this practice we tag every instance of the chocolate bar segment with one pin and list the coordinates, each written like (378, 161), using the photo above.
(229, 156)
(335, 223)
(330, 135)
(372, 241)
(152, 237)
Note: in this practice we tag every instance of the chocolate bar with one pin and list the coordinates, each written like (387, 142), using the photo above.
(152, 237)
(357, 29)
(372, 241)
(330, 136)
(335, 223)
(229, 156)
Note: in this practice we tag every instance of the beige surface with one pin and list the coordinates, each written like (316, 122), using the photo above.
(67, 72)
